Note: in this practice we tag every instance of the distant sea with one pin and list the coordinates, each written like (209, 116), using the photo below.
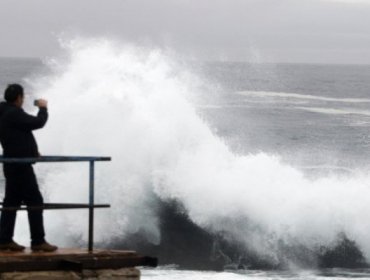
(313, 116)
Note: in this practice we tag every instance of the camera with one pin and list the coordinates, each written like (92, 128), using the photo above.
(36, 102)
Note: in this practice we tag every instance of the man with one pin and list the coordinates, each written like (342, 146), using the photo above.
(21, 185)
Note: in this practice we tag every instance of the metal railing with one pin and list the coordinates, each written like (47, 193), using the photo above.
(54, 206)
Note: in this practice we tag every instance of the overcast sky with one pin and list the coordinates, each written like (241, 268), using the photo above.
(323, 31)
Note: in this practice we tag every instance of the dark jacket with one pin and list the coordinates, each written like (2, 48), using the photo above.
(16, 128)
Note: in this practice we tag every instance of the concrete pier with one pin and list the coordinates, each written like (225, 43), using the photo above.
(72, 264)
(100, 274)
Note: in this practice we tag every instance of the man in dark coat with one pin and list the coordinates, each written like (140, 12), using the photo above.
(21, 185)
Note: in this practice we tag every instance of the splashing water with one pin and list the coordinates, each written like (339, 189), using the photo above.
(136, 105)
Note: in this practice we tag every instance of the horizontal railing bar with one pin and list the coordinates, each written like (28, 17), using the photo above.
(55, 206)
(53, 159)
(59, 204)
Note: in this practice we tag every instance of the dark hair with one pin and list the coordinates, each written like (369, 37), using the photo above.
(12, 92)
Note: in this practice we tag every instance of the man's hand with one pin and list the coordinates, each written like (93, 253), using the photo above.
(42, 103)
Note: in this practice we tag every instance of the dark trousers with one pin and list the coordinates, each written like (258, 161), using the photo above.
(21, 186)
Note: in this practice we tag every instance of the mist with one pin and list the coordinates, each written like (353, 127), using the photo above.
(255, 31)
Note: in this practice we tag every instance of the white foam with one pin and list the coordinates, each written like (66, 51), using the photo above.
(335, 111)
(271, 94)
(132, 104)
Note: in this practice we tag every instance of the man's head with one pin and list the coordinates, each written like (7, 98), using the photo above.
(14, 94)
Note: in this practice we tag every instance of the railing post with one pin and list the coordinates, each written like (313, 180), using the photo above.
(91, 204)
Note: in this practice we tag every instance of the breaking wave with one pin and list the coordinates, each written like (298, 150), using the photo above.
(136, 105)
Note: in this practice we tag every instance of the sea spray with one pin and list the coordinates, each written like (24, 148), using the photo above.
(136, 105)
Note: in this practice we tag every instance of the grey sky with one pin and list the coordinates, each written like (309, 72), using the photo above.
(252, 30)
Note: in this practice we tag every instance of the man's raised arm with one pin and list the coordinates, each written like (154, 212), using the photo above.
(25, 121)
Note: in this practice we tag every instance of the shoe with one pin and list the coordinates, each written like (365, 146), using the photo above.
(44, 247)
(12, 246)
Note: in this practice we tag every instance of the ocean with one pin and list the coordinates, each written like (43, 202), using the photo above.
(337, 274)
(262, 154)
(313, 116)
